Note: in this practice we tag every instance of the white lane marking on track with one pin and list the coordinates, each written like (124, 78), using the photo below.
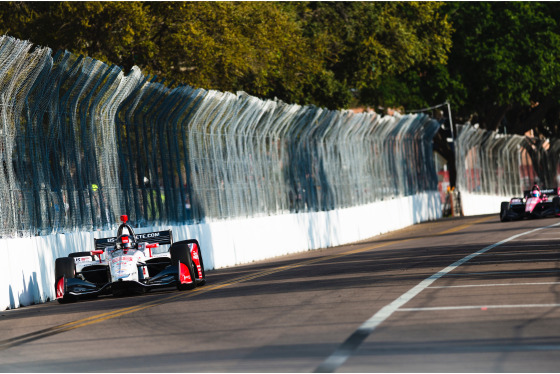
(498, 285)
(477, 307)
(342, 353)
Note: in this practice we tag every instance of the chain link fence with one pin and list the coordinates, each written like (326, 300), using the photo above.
(495, 164)
(82, 143)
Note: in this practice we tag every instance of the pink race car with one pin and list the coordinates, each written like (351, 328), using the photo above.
(535, 204)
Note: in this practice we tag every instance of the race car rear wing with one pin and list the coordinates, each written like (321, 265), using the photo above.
(544, 191)
(160, 237)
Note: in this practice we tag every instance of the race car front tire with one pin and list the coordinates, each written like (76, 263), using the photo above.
(64, 267)
(180, 253)
(504, 207)
(199, 281)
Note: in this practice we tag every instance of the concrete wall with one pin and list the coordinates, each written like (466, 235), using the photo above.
(481, 204)
(27, 266)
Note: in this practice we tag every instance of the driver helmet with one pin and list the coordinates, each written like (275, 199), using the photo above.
(125, 242)
(535, 193)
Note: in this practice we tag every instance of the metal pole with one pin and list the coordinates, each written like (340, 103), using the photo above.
(450, 121)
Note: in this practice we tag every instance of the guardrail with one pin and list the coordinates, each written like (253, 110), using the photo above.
(81, 143)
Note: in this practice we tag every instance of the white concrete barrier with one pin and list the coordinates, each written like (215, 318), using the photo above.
(27, 265)
(474, 205)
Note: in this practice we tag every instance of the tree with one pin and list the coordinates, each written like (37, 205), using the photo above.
(320, 53)
(113, 32)
(230, 46)
(504, 58)
(369, 44)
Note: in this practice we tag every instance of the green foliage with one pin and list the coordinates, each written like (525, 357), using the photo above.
(367, 45)
(230, 46)
(505, 53)
(301, 52)
(504, 59)
(502, 70)
(113, 32)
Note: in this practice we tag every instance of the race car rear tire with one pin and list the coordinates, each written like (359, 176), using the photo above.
(556, 204)
(180, 252)
(64, 267)
(504, 207)
(199, 281)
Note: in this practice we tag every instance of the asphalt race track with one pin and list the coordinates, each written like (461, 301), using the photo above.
(459, 295)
